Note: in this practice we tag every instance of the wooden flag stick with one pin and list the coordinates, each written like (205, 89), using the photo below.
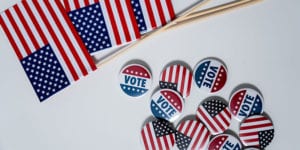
(213, 11)
(187, 17)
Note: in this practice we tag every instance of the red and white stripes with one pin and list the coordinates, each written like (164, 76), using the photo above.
(197, 132)
(32, 24)
(151, 142)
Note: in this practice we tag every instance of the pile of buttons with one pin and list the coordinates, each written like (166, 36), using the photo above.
(214, 114)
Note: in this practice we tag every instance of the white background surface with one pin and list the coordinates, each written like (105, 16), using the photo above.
(259, 44)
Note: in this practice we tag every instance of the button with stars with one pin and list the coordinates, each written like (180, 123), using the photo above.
(215, 114)
(246, 102)
(256, 131)
(158, 135)
(210, 75)
(177, 77)
(224, 142)
(192, 135)
(166, 104)
(135, 80)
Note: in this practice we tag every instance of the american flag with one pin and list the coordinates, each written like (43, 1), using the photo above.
(257, 131)
(46, 44)
(158, 135)
(178, 78)
(215, 114)
(103, 24)
(151, 14)
(192, 135)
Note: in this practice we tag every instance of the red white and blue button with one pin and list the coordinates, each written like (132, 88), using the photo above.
(135, 80)
(225, 142)
(215, 114)
(177, 77)
(257, 131)
(166, 104)
(192, 135)
(246, 102)
(210, 75)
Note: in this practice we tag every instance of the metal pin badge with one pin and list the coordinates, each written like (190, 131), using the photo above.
(177, 77)
(257, 131)
(157, 135)
(246, 102)
(135, 80)
(166, 104)
(210, 75)
(215, 114)
(225, 142)
(192, 135)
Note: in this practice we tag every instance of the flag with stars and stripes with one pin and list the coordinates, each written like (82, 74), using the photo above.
(151, 14)
(215, 114)
(158, 135)
(192, 135)
(178, 78)
(257, 131)
(47, 45)
(103, 24)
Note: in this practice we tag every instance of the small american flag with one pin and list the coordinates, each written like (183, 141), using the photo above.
(178, 78)
(46, 44)
(103, 24)
(158, 135)
(151, 14)
(215, 115)
(257, 131)
(192, 135)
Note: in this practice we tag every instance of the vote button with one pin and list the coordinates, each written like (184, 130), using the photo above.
(135, 80)
(246, 102)
(225, 142)
(210, 75)
(166, 104)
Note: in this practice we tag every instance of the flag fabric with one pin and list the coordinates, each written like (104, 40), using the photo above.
(257, 131)
(215, 114)
(103, 24)
(151, 14)
(192, 135)
(178, 78)
(47, 45)
(158, 135)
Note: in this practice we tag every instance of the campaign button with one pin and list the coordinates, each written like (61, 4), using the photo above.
(246, 102)
(178, 78)
(158, 135)
(210, 75)
(135, 80)
(192, 135)
(225, 142)
(257, 131)
(166, 104)
(215, 114)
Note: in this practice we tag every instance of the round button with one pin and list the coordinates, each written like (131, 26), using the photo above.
(135, 80)
(215, 114)
(192, 135)
(257, 131)
(210, 75)
(246, 102)
(158, 134)
(225, 141)
(166, 104)
(178, 78)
